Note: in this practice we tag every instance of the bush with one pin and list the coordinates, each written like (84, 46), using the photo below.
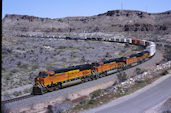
(14, 71)
(83, 59)
(24, 66)
(27, 90)
(91, 101)
(138, 71)
(62, 47)
(83, 102)
(17, 93)
(4, 109)
(50, 109)
(97, 93)
(164, 73)
(122, 76)
(34, 67)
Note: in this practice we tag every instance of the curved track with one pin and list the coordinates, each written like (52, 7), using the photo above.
(64, 92)
(29, 98)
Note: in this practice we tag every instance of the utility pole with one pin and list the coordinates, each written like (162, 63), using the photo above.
(146, 8)
(121, 5)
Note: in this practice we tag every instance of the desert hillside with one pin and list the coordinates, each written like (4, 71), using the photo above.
(109, 22)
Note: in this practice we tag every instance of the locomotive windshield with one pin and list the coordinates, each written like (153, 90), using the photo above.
(43, 75)
(96, 64)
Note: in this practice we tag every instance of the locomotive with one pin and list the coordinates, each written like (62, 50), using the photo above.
(54, 79)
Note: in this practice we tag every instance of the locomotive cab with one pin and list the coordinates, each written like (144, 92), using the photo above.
(42, 77)
(98, 66)
(39, 79)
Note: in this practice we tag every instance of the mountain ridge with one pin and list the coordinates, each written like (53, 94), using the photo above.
(110, 21)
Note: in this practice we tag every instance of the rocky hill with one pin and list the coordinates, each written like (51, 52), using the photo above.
(109, 22)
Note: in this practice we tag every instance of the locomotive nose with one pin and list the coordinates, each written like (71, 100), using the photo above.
(37, 79)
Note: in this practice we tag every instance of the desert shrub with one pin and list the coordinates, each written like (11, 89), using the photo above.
(6, 75)
(62, 47)
(91, 101)
(167, 54)
(97, 93)
(17, 93)
(139, 71)
(108, 55)
(34, 67)
(73, 55)
(122, 76)
(83, 59)
(83, 102)
(50, 109)
(7, 95)
(14, 71)
(4, 109)
(6, 50)
(24, 66)
(164, 73)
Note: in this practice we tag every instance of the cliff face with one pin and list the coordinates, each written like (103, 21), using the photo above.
(111, 21)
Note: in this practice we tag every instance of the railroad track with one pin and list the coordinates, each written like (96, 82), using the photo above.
(28, 96)
(17, 99)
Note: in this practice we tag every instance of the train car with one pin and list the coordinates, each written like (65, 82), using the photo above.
(88, 38)
(130, 59)
(112, 40)
(48, 81)
(129, 41)
(135, 42)
(74, 38)
(151, 49)
(82, 38)
(117, 39)
(93, 39)
(109, 40)
(103, 67)
(122, 40)
(99, 39)
(136, 57)
(139, 42)
(143, 55)
(115, 63)
(143, 43)
(151, 43)
(68, 38)
(23, 35)
(147, 43)
(103, 39)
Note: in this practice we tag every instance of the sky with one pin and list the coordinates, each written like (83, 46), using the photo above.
(65, 8)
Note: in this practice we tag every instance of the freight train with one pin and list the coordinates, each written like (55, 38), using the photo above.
(54, 79)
